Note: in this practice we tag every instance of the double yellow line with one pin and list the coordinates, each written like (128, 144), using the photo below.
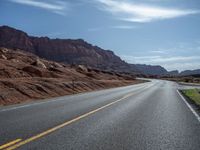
(10, 144)
(18, 143)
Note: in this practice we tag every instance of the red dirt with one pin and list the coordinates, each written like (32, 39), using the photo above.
(25, 77)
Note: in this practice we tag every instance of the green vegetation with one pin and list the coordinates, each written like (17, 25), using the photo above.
(193, 94)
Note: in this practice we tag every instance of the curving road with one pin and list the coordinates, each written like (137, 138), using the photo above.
(147, 116)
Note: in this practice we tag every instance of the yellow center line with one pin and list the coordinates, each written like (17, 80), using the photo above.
(9, 144)
(64, 124)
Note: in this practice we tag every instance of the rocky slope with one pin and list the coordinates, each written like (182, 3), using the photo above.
(63, 50)
(24, 77)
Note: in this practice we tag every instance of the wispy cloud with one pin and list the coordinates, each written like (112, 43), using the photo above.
(95, 29)
(57, 7)
(132, 12)
(170, 62)
(159, 59)
(125, 27)
(159, 51)
(120, 27)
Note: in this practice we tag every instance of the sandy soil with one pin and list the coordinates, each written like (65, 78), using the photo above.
(25, 77)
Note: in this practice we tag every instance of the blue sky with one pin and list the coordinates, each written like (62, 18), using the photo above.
(157, 32)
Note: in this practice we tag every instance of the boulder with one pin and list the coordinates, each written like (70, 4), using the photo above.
(3, 50)
(39, 64)
(56, 65)
(82, 68)
(3, 57)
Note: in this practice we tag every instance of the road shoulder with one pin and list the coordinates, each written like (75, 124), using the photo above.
(191, 105)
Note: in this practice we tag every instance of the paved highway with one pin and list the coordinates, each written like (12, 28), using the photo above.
(147, 116)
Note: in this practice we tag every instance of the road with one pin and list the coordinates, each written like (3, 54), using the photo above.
(147, 116)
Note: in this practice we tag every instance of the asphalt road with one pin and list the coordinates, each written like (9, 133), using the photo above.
(147, 116)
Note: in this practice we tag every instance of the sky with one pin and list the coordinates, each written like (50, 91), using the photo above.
(156, 32)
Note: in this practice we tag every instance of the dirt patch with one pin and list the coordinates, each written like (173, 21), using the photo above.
(25, 77)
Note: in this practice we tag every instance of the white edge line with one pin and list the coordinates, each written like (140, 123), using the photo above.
(189, 106)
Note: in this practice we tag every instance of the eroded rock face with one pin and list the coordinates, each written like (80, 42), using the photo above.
(68, 51)
(33, 71)
(151, 70)
(62, 50)
(12, 38)
(24, 76)
(15, 64)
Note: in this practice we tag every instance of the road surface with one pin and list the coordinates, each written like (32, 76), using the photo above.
(147, 116)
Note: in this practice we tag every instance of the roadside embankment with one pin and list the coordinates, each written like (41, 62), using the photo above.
(26, 77)
(193, 95)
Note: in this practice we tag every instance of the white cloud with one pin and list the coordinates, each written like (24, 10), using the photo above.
(126, 27)
(122, 27)
(182, 66)
(171, 63)
(158, 52)
(132, 12)
(57, 7)
(159, 59)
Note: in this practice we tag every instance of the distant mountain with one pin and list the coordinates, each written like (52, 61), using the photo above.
(63, 50)
(190, 72)
(151, 70)
(173, 73)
